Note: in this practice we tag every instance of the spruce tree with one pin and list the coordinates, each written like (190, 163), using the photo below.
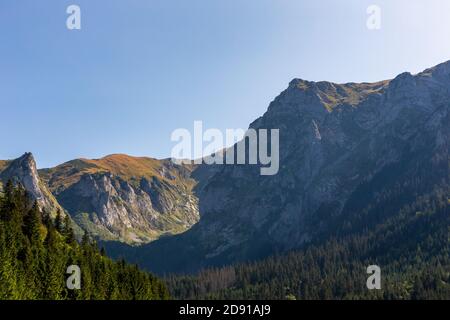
(68, 231)
(32, 224)
(59, 222)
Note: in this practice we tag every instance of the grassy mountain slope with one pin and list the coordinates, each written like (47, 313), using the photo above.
(125, 198)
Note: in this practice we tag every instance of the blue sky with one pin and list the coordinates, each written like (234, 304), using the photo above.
(139, 69)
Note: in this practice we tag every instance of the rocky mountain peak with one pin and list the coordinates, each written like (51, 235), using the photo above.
(23, 170)
(441, 69)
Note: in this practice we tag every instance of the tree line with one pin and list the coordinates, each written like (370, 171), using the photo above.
(36, 250)
(411, 249)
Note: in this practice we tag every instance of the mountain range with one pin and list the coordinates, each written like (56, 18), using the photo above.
(345, 149)
(118, 197)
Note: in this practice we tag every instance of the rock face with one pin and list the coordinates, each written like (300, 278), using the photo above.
(23, 170)
(334, 138)
(134, 200)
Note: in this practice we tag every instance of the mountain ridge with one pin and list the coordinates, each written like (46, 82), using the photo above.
(329, 148)
(23, 170)
(125, 166)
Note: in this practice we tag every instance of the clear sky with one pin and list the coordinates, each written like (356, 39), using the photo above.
(139, 69)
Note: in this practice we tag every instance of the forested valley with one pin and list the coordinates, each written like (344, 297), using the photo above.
(36, 250)
(411, 249)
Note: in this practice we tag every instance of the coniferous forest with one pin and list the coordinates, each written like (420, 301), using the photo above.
(36, 250)
(417, 267)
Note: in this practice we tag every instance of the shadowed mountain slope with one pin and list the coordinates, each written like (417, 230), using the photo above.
(339, 144)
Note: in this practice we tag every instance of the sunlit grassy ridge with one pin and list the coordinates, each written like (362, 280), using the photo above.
(126, 167)
(333, 94)
(4, 164)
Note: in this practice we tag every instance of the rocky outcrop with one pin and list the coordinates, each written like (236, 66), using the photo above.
(23, 171)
